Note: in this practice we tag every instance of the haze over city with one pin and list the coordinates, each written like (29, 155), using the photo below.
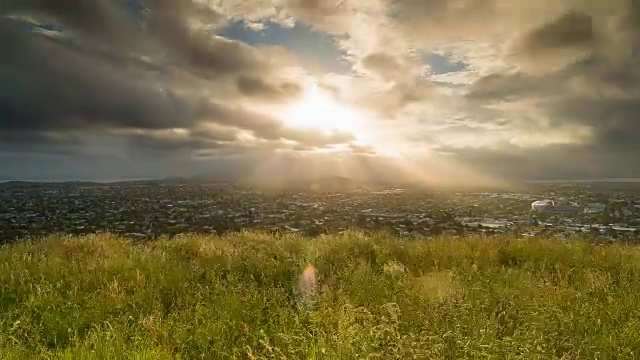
(437, 92)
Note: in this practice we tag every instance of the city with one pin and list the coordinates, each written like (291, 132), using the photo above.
(152, 209)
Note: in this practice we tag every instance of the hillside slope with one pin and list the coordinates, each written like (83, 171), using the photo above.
(241, 296)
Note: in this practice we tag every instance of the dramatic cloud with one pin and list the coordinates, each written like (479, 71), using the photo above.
(564, 40)
(478, 89)
(258, 88)
(572, 29)
(47, 85)
(97, 19)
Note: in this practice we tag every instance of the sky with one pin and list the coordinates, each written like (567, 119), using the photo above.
(432, 91)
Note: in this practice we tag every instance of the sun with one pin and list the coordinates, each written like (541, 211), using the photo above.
(318, 111)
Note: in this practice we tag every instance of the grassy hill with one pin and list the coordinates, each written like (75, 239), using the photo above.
(241, 296)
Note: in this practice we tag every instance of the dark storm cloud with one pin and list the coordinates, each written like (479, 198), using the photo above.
(567, 39)
(628, 20)
(256, 87)
(76, 91)
(172, 142)
(45, 138)
(382, 63)
(597, 93)
(614, 121)
(200, 138)
(573, 29)
(507, 87)
(313, 11)
(47, 143)
(47, 86)
(98, 19)
(57, 83)
(600, 90)
(549, 162)
(166, 23)
(73, 91)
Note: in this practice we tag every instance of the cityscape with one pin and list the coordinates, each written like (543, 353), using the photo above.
(169, 208)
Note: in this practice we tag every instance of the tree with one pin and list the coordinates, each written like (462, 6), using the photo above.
(313, 231)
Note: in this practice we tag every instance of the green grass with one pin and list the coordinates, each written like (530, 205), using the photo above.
(199, 297)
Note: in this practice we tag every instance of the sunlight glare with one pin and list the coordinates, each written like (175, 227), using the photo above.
(318, 111)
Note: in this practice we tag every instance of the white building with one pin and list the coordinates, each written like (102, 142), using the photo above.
(541, 206)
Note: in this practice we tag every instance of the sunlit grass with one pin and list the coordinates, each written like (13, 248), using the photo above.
(253, 295)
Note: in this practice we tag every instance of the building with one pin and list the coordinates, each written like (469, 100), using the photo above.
(541, 206)
(565, 209)
(594, 208)
(550, 207)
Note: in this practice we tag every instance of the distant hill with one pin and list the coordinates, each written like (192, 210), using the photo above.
(14, 183)
(35, 184)
(320, 184)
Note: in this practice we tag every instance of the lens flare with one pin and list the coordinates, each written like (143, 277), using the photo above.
(308, 282)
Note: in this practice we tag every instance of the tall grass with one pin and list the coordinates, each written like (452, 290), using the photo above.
(373, 296)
